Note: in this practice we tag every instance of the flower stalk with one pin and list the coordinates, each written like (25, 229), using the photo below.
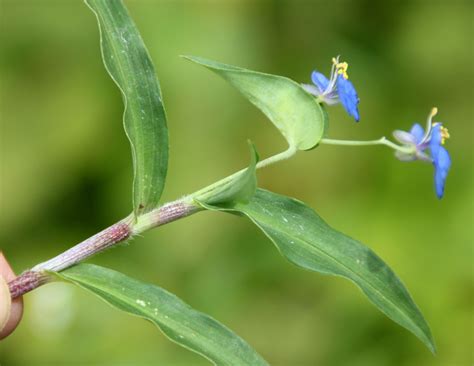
(381, 141)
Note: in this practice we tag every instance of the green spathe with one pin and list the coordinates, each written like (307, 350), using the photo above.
(239, 187)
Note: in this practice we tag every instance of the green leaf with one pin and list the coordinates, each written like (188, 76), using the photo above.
(177, 320)
(129, 64)
(239, 187)
(291, 109)
(307, 241)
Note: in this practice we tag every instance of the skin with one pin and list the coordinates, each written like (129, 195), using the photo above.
(10, 311)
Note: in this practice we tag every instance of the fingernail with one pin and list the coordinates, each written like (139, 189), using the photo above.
(5, 303)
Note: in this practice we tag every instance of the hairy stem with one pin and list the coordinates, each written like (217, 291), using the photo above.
(118, 232)
(27, 281)
(95, 244)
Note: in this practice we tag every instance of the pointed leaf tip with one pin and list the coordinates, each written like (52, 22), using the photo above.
(307, 241)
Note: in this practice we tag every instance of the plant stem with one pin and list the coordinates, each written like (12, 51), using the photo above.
(278, 157)
(380, 141)
(118, 232)
(27, 281)
(97, 243)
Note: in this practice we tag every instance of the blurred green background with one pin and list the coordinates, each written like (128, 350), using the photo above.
(66, 174)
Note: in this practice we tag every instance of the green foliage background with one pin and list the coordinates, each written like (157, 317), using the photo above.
(66, 173)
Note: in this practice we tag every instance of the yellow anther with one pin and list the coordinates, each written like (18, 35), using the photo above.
(444, 134)
(341, 68)
(443, 131)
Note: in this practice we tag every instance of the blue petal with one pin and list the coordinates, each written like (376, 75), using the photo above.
(442, 163)
(348, 97)
(418, 132)
(320, 81)
(435, 141)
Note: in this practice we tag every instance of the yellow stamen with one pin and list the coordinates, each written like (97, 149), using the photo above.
(341, 67)
(444, 134)
(443, 130)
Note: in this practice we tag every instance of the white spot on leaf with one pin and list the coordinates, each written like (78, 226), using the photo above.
(141, 302)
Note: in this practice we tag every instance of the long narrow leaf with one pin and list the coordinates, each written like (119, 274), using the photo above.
(129, 64)
(307, 241)
(177, 320)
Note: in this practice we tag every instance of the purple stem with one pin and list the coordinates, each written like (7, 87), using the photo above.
(122, 230)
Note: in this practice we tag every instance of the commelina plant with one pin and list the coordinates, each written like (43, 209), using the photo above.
(298, 111)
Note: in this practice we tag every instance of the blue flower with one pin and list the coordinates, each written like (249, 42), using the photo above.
(417, 141)
(336, 89)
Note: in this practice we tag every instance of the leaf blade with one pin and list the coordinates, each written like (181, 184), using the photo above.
(177, 320)
(289, 107)
(127, 61)
(307, 241)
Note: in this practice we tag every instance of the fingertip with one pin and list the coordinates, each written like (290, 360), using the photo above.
(16, 313)
(11, 312)
(5, 304)
(5, 270)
